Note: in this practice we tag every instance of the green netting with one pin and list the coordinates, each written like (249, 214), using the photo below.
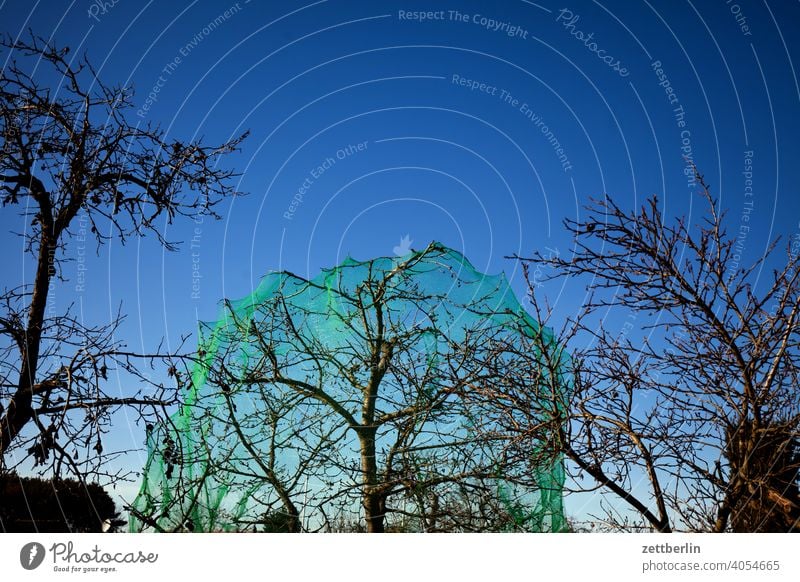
(395, 391)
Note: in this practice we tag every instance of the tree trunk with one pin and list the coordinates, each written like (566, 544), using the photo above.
(764, 468)
(293, 524)
(20, 410)
(372, 496)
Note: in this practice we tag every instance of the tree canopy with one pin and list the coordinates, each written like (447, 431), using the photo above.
(74, 164)
(692, 423)
(358, 396)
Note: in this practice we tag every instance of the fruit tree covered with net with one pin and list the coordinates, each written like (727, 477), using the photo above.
(357, 401)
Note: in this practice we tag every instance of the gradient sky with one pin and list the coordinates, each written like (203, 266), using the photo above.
(475, 168)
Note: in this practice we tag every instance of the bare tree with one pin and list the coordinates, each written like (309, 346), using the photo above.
(358, 392)
(691, 422)
(69, 155)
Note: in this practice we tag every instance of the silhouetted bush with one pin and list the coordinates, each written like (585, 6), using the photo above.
(30, 504)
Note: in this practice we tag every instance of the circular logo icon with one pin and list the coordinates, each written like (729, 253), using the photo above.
(31, 555)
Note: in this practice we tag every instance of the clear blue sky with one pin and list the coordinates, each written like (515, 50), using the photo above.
(460, 118)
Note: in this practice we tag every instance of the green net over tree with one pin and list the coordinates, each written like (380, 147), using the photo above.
(356, 401)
